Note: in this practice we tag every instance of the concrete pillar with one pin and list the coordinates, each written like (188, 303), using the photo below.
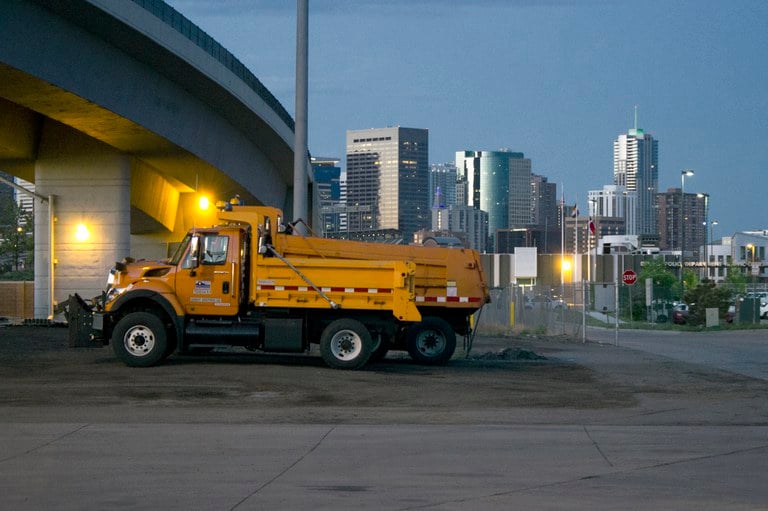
(91, 185)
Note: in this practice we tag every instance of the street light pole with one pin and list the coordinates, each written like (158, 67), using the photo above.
(751, 247)
(683, 175)
(712, 225)
(705, 196)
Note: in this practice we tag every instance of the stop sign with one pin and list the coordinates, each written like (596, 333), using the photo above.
(629, 277)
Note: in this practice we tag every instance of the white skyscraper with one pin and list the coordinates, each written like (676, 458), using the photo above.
(636, 167)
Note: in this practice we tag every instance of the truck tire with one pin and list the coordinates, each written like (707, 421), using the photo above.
(432, 341)
(346, 344)
(140, 340)
(380, 348)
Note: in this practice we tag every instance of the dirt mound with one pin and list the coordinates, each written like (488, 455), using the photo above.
(508, 354)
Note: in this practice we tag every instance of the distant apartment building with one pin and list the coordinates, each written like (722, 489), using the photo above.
(387, 181)
(636, 168)
(614, 201)
(682, 229)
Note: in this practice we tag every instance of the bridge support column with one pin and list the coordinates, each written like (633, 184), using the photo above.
(91, 185)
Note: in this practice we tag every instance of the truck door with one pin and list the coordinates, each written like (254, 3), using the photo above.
(208, 282)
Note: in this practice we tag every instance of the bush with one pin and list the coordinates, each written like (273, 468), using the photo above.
(707, 295)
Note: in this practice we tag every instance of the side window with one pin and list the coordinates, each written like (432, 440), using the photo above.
(215, 249)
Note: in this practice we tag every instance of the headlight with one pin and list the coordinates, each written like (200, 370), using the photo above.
(112, 277)
(114, 292)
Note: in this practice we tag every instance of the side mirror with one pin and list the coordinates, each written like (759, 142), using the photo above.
(193, 257)
(265, 237)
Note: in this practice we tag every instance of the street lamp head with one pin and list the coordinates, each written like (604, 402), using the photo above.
(715, 222)
(687, 172)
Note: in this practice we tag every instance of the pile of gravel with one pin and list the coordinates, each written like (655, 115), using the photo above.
(509, 354)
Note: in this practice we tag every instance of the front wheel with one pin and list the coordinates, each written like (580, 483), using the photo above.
(346, 344)
(432, 341)
(140, 339)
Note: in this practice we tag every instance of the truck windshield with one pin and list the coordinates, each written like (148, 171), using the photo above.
(179, 252)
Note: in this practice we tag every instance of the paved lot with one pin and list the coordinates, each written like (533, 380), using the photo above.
(739, 351)
(591, 426)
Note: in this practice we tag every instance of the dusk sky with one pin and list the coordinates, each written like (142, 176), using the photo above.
(555, 79)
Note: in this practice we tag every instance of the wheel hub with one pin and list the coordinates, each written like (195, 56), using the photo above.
(346, 344)
(430, 343)
(139, 340)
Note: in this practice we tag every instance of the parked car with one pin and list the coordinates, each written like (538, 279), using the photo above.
(680, 313)
(545, 302)
(763, 297)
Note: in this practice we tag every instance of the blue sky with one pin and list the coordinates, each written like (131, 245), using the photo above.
(555, 79)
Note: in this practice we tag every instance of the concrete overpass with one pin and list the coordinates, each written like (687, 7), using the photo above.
(124, 111)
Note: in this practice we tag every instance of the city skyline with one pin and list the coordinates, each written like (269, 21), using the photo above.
(558, 80)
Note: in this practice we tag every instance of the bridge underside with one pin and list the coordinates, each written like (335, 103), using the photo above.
(124, 123)
(162, 172)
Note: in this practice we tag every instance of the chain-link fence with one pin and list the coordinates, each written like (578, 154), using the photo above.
(567, 309)
(536, 309)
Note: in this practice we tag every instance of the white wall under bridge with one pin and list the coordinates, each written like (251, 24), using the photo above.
(124, 113)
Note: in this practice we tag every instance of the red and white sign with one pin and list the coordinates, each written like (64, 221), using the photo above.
(629, 277)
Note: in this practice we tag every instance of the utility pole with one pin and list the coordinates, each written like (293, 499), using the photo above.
(300, 149)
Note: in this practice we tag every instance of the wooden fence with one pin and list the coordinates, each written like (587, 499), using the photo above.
(17, 299)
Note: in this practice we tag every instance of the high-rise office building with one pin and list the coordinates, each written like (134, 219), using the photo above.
(614, 201)
(636, 167)
(327, 188)
(472, 222)
(6, 191)
(442, 176)
(519, 192)
(543, 202)
(498, 182)
(387, 180)
(25, 201)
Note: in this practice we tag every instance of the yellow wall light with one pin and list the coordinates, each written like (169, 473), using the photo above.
(82, 233)
(565, 265)
(203, 203)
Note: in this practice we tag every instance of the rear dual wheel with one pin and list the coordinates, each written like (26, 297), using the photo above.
(431, 341)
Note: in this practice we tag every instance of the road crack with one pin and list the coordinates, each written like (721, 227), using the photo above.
(597, 446)
(285, 470)
(46, 444)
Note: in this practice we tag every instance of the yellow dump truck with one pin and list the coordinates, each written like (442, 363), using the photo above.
(254, 283)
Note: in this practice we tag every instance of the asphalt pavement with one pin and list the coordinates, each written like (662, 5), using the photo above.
(388, 466)
(707, 451)
(742, 352)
